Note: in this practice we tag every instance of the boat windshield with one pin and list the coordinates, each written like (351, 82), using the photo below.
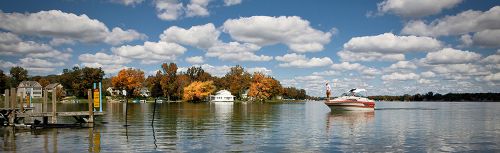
(357, 93)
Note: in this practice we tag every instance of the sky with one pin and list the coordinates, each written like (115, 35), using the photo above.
(389, 47)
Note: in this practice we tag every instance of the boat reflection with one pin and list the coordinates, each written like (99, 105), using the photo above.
(351, 119)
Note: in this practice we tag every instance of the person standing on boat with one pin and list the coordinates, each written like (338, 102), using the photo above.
(328, 91)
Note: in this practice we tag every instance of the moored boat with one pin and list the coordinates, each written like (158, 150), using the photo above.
(354, 100)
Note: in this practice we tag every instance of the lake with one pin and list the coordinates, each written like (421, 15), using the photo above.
(272, 127)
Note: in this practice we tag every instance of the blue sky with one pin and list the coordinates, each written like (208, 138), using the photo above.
(389, 47)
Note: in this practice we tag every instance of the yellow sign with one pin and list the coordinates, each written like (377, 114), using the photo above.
(96, 97)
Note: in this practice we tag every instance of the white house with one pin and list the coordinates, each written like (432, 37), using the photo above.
(145, 92)
(51, 87)
(222, 96)
(32, 88)
(113, 92)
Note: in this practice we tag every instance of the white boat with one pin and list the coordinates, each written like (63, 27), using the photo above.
(354, 100)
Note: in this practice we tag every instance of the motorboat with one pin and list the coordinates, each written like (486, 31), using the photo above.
(354, 100)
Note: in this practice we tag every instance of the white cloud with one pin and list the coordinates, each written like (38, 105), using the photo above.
(487, 38)
(103, 59)
(109, 69)
(327, 73)
(11, 44)
(368, 56)
(428, 74)
(462, 23)
(425, 81)
(494, 59)
(390, 43)
(232, 2)
(403, 65)
(415, 8)
(348, 66)
(371, 71)
(451, 56)
(301, 61)
(400, 76)
(168, 9)
(202, 36)
(466, 40)
(118, 36)
(6, 64)
(460, 69)
(235, 51)
(63, 26)
(195, 59)
(265, 30)
(492, 77)
(197, 8)
(150, 52)
(259, 69)
(128, 2)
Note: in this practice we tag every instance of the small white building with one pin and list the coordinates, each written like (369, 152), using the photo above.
(32, 88)
(113, 92)
(222, 96)
(51, 87)
(145, 92)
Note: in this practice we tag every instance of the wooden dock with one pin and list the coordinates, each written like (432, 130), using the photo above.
(15, 111)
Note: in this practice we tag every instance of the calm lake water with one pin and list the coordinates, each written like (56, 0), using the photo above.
(263, 127)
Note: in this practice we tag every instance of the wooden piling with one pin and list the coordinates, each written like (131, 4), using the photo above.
(54, 98)
(7, 100)
(91, 106)
(12, 115)
(45, 98)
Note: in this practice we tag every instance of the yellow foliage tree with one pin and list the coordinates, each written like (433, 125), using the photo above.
(128, 79)
(198, 91)
(264, 87)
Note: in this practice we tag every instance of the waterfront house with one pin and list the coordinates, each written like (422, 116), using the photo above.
(113, 92)
(145, 92)
(32, 88)
(51, 87)
(222, 96)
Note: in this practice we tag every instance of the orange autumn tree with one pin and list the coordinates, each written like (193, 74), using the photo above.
(128, 79)
(264, 87)
(198, 91)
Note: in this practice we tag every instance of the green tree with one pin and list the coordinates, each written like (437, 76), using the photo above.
(4, 82)
(18, 74)
(237, 80)
(167, 81)
(78, 80)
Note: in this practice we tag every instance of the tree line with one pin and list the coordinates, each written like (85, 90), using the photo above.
(430, 96)
(166, 83)
(195, 84)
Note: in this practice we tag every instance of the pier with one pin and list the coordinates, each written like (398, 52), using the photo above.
(17, 112)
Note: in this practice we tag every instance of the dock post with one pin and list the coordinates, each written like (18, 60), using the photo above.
(12, 115)
(54, 98)
(91, 106)
(6, 102)
(45, 97)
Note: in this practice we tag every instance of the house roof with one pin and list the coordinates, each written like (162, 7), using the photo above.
(29, 84)
(52, 85)
(224, 93)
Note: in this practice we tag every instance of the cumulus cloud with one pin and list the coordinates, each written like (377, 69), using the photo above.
(462, 23)
(128, 2)
(348, 66)
(301, 61)
(263, 70)
(235, 51)
(368, 56)
(232, 2)
(371, 71)
(168, 9)
(390, 43)
(202, 36)
(403, 65)
(460, 69)
(451, 56)
(64, 26)
(413, 9)
(492, 77)
(197, 8)
(195, 59)
(396, 76)
(103, 58)
(6, 64)
(293, 31)
(150, 52)
(487, 38)
(428, 74)
(12, 45)
(493, 59)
